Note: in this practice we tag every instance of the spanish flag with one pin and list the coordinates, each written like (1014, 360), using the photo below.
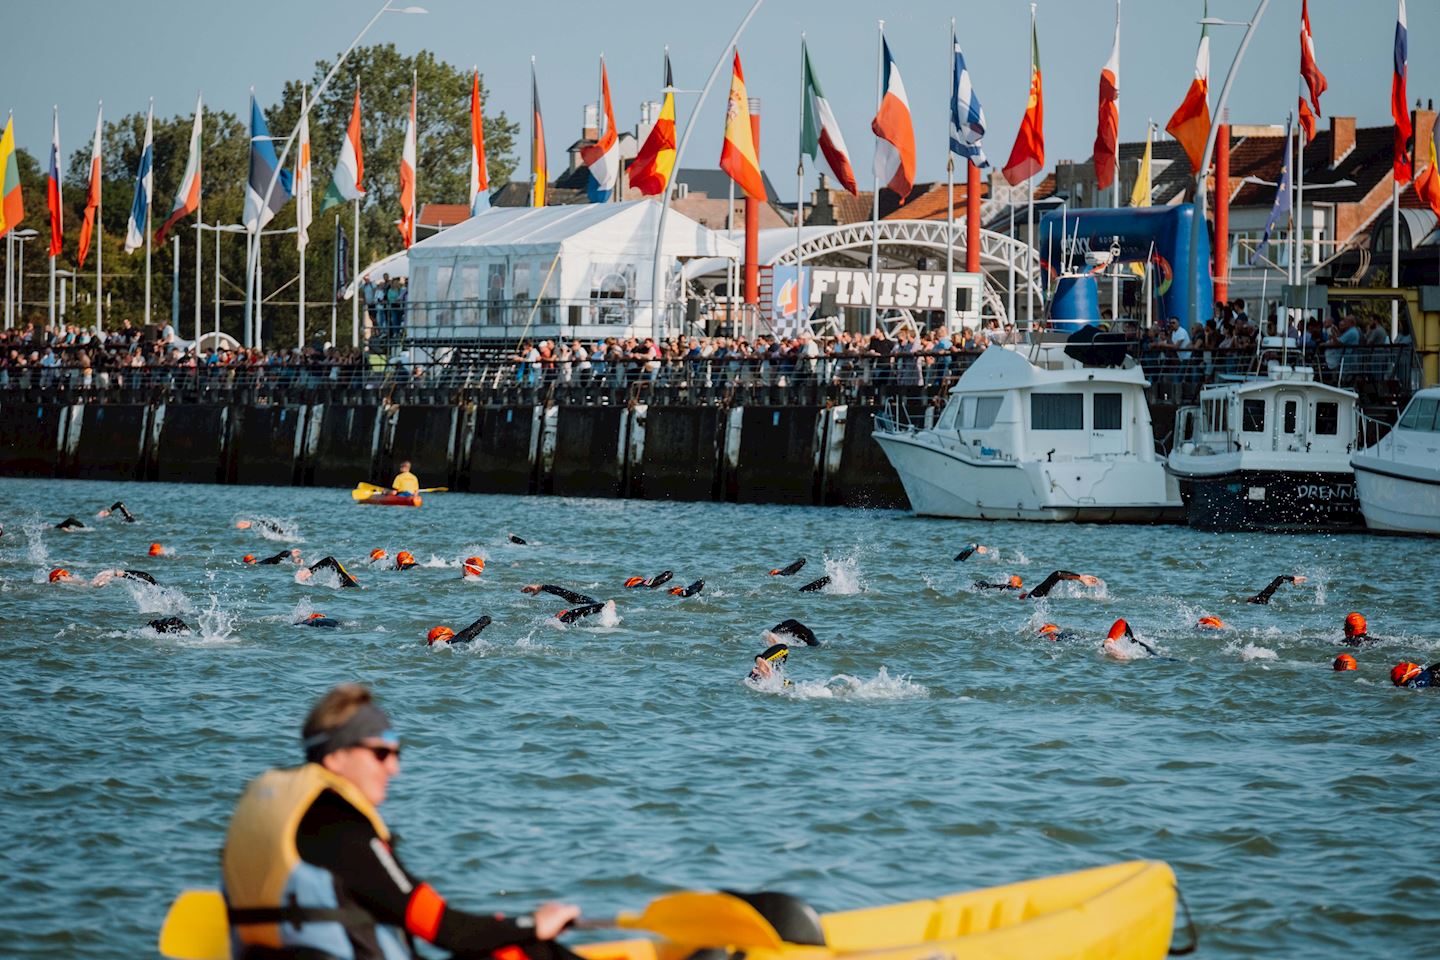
(12, 203)
(538, 169)
(650, 170)
(739, 157)
(1190, 124)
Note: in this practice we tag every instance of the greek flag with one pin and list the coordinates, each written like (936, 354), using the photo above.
(967, 117)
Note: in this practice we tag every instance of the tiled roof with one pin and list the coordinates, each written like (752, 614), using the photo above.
(443, 214)
(927, 202)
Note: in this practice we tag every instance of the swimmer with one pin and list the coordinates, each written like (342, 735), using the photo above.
(156, 550)
(689, 591)
(169, 625)
(105, 576)
(1053, 632)
(472, 568)
(444, 635)
(262, 524)
(790, 570)
(569, 596)
(795, 630)
(663, 576)
(969, 551)
(377, 555)
(1414, 676)
(249, 558)
(117, 507)
(515, 540)
(404, 560)
(61, 575)
(318, 620)
(1055, 577)
(1013, 583)
(1210, 623)
(1357, 630)
(570, 616)
(769, 663)
(1264, 595)
(327, 563)
(815, 586)
(1344, 662)
(69, 523)
(292, 556)
(1120, 630)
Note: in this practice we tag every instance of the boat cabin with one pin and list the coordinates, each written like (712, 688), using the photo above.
(1286, 412)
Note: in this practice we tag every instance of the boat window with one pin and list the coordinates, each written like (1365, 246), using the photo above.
(1327, 418)
(1107, 411)
(1291, 409)
(986, 410)
(951, 412)
(1420, 415)
(1253, 417)
(1217, 418)
(1057, 411)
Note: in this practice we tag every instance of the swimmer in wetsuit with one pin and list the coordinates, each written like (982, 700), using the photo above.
(1357, 630)
(1210, 623)
(1264, 595)
(1344, 662)
(270, 525)
(795, 630)
(815, 586)
(445, 636)
(569, 596)
(769, 663)
(105, 576)
(284, 556)
(577, 613)
(790, 570)
(117, 507)
(1013, 583)
(662, 577)
(689, 591)
(70, 523)
(1414, 676)
(404, 560)
(1054, 632)
(970, 551)
(472, 568)
(1055, 577)
(169, 625)
(515, 540)
(327, 563)
(318, 620)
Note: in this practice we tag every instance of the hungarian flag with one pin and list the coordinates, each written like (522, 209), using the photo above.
(1190, 124)
(92, 195)
(12, 203)
(1027, 157)
(1427, 185)
(139, 220)
(894, 132)
(1107, 134)
(348, 181)
(479, 171)
(1400, 104)
(820, 132)
(52, 191)
(603, 156)
(304, 209)
(650, 170)
(407, 172)
(538, 167)
(738, 156)
(188, 197)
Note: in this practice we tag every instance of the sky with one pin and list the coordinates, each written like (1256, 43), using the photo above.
(73, 52)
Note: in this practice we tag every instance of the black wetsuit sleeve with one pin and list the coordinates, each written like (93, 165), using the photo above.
(569, 596)
(1049, 582)
(1264, 595)
(335, 836)
(472, 631)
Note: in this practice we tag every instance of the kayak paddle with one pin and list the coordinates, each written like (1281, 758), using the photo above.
(363, 491)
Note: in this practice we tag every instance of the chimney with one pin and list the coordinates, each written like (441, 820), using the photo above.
(1424, 123)
(590, 130)
(1342, 138)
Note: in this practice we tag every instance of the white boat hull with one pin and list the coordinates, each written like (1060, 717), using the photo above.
(1396, 503)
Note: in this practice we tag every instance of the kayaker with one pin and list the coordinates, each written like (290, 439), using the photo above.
(117, 507)
(405, 482)
(769, 663)
(327, 563)
(1055, 577)
(1344, 662)
(689, 591)
(1414, 676)
(1264, 595)
(1011, 583)
(789, 570)
(970, 551)
(660, 578)
(284, 556)
(1357, 630)
(444, 635)
(169, 625)
(308, 866)
(69, 523)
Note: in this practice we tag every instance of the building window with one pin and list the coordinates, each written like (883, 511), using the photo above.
(1057, 411)
(1107, 411)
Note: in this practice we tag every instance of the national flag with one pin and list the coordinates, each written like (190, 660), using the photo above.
(1027, 157)
(479, 172)
(1399, 102)
(407, 170)
(144, 188)
(1307, 119)
(1427, 185)
(187, 199)
(894, 132)
(92, 195)
(1309, 69)
(348, 181)
(539, 170)
(1140, 195)
(650, 170)
(52, 191)
(967, 117)
(304, 209)
(1107, 132)
(820, 132)
(1280, 212)
(1190, 124)
(603, 156)
(12, 203)
(738, 155)
(263, 164)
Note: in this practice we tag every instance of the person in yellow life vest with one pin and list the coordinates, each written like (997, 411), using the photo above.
(309, 868)
(405, 481)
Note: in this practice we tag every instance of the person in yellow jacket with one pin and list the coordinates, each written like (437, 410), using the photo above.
(309, 867)
(405, 481)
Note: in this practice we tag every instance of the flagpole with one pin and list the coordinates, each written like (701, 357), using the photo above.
(335, 283)
(732, 272)
(1010, 305)
(1114, 274)
(875, 195)
(217, 284)
(1394, 254)
(302, 169)
(355, 280)
(1030, 210)
(950, 195)
(149, 202)
(52, 256)
(199, 219)
(99, 240)
(800, 301)
(259, 287)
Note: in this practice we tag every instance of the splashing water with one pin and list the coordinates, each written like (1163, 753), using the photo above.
(35, 550)
(844, 573)
(155, 598)
(843, 686)
(216, 623)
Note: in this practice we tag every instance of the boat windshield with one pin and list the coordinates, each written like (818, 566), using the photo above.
(1421, 415)
(950, 414)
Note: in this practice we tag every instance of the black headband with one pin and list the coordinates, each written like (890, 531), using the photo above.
(366, 723)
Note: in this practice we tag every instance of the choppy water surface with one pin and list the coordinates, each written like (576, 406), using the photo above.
(932, 745)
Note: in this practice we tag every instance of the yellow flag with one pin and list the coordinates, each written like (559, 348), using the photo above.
(1140, 196)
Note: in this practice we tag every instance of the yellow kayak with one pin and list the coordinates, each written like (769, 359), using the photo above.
(1123, 912)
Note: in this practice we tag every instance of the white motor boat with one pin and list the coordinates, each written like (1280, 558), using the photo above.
(1046, 440)
(1398, 479)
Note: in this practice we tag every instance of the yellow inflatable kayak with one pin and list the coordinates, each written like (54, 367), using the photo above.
(1123, 912)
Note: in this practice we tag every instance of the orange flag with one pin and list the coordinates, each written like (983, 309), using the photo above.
(738, 157)
(1027, 157)
(1427, 185)
(1191, 123)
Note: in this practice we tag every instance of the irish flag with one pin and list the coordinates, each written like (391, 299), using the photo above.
(479, 172)
(348, 181)
(1027, 157)
(407, 172)
(650, 170)
(894, 133)
(92, 195)
(188, 197)
(1190, 124)
(738, 155)
(820, 132)
(1107, 133)
(12, 203)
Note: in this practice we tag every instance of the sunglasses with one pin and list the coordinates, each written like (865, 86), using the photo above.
(382, 753)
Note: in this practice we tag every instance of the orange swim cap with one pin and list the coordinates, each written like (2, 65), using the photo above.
(1015, 582)
(248, 558)
(1344, 662)
(634, 581)
(315, 616)
(242, 524)
(1118, 629)
(1210, 623)
(377, 554)
(439, 635)
(156, 550)
(1048, 630)
(59, 573)
(1354, 624)
(1403, 673)
(473, 566)
(404, 557)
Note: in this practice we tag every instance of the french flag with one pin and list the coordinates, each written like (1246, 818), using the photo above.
(894, 132)
(603, 157)
(52, 191)
(1400, 103)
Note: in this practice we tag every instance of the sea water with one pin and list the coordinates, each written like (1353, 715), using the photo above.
(932, 745)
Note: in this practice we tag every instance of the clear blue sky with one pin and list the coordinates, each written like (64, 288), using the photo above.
(73, 52)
